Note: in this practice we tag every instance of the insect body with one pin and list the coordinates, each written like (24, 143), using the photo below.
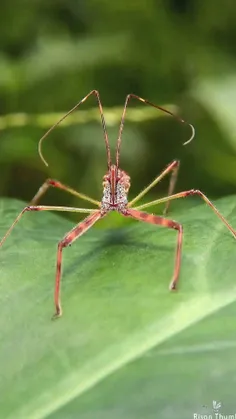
(116, 184)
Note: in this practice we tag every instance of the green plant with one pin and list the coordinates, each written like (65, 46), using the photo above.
(126, 346)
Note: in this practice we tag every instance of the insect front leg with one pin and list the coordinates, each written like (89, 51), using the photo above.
(69, 238)
(56, 184)
(173, 179)
(172, 168)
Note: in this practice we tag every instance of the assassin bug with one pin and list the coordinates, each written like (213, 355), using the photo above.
(116, 184)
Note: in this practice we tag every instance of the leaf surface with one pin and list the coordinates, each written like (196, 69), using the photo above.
(125, 346)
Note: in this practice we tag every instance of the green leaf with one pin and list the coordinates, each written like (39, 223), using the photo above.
(125, 346)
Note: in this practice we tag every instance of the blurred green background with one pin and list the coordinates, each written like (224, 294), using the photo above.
(172, 52)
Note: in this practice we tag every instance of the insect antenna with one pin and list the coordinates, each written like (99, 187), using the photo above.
(93, 92)
(154, 106)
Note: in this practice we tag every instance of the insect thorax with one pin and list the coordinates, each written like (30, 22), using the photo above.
(116, 184)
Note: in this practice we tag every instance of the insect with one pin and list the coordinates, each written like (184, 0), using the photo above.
(116, 184)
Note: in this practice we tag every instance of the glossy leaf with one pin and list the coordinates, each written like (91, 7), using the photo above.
(125, 346)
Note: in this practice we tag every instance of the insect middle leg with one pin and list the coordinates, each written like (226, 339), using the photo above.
(56, 184)
(157, 220)
(44, 208)
(172, 167)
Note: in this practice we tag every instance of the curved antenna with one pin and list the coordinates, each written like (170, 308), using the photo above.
(93, 92)
(192, 129)
(154, 106)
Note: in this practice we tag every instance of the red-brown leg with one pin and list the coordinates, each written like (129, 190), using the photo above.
(155, 219)
(68, 239)
(74, 234)
(45, 208)
(56, 184)
(188, 193)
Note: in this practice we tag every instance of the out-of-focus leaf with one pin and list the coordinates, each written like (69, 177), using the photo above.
(218, 96)
(53, 56)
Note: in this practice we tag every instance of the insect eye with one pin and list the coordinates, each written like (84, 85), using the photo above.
(105, 183)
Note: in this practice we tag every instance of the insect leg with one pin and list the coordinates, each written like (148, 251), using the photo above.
(156, 220)
(56, 184)
(172, 184)
(74, 234)
(188, 193)
(172, 167)
(68, 239)
(43, 208)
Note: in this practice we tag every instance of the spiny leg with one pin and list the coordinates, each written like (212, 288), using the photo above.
(155, 219)
(185, 194)
(44, 208)
(56, 184)
(74, 234)
(96, 94)
(172, 167)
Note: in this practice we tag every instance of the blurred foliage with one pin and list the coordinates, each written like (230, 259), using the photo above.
(52, 53)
